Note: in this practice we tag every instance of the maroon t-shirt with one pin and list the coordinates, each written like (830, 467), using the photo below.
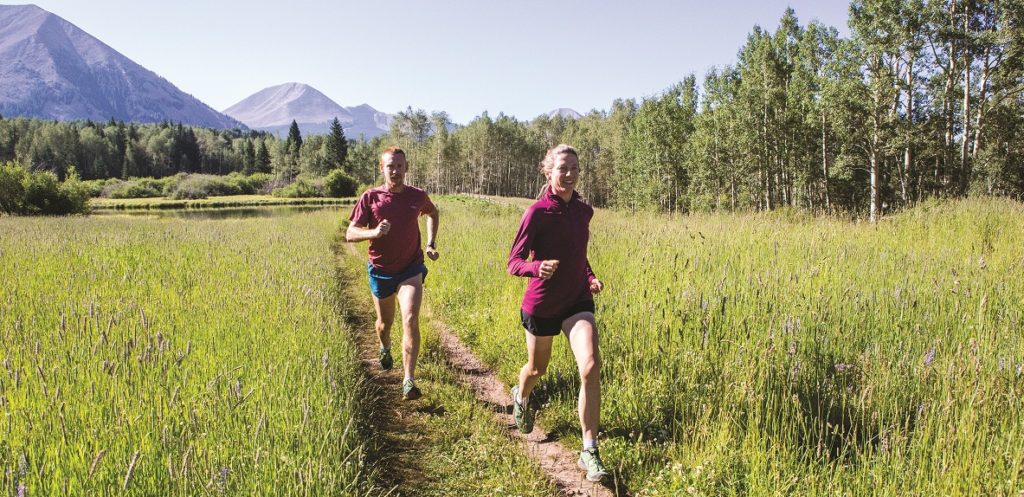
(400, 248)
(553, 229)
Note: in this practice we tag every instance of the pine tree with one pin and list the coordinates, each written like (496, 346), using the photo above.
(262, 158)
(248, 157)
(337, 146)
(294, 141)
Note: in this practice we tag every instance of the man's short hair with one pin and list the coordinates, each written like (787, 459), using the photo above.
(392, 150)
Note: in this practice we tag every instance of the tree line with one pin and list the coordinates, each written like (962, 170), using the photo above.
(923, 99)
(116, 149)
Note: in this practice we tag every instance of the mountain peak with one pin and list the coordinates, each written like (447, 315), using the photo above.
(565, 113)
(281, 104)
(51, 69)
(273, 109)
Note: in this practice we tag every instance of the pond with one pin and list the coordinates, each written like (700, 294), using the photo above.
(223, 212)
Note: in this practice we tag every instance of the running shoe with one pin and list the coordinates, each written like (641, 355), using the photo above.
(410, 391)
(590, 461)
(386, 362)
(521, 413)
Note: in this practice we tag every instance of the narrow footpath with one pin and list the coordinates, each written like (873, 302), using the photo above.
(557, 460)
(464, 399)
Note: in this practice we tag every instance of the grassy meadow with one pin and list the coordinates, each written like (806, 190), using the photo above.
(778, 353)
(171, 357)
(754, 354)
(446, 444)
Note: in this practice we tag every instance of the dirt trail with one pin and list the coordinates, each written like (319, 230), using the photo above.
(554, 458)
(557, 460)
(396, 435)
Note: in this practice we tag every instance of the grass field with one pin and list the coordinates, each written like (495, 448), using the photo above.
(170, 357)
(779, 354)
(447, 444)
(211, 202)
(761, 354)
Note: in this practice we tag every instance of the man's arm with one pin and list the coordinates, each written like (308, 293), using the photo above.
(360, 233)
(432, 221)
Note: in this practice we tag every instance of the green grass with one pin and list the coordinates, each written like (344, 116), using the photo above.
(450, 444)
(212, 202)
(769, 354)
(170, 357)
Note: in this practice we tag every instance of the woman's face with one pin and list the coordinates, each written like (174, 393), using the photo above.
(564, 175)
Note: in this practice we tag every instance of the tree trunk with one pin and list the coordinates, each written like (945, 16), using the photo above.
(983, 95)
(875, 211)
(824, 161)
(908, 154)
(875, 140)
(965, 171)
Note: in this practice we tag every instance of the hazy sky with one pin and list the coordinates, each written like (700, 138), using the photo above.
(520, 57)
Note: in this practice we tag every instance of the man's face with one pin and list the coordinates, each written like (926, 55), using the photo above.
(393, 167)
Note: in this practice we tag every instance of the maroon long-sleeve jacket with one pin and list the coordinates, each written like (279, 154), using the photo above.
(553, 229)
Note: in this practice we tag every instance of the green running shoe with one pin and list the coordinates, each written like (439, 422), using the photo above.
(590, 461)
(386, 362)
(410, 391)
(521, 413)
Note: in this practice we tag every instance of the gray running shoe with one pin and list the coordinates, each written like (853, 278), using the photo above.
(386, 362)
(590, 461)
(521, 413)
(410, 391)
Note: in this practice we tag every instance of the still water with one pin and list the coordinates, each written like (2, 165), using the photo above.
(222, 213)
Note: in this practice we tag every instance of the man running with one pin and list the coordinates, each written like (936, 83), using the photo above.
(388, 216)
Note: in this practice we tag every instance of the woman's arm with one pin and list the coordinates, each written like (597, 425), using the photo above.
(595, 284)
(522, 245)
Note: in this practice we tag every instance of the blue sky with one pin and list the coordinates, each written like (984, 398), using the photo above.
(522, 57)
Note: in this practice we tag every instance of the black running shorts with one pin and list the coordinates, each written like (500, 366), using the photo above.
(549, 327)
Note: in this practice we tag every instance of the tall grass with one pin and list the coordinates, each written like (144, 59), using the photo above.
(771, 354)
(170, 357)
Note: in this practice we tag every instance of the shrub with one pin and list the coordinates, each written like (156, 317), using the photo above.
(12, 187)
(249, 185)
(74, 194)
(171, 183)
(132, 189)
(26, 192)
(302, 187)
(202, 186)
(96, 186)
(339, 184)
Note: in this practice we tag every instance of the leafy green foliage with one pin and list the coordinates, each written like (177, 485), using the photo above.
(339, 184)
(303, 186)
(40, 192)
(921, 100)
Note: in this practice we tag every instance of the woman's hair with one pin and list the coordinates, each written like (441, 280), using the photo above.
(548, 163)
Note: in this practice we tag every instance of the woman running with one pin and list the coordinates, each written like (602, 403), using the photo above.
(551, 249)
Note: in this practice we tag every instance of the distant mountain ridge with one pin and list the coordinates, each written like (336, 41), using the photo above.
(273, 109)
(51, 69)
(564, 113)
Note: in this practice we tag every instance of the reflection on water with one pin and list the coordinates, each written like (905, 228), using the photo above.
(221, 213)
